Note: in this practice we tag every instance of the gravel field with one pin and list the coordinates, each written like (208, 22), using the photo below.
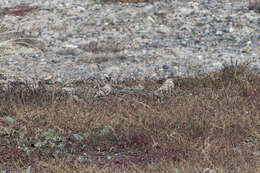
(68, 40)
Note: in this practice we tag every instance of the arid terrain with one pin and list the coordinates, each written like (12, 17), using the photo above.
(208, 123)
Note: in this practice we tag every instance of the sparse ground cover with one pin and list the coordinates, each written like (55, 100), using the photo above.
(208, 123)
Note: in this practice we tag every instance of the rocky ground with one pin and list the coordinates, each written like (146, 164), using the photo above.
(68, 40)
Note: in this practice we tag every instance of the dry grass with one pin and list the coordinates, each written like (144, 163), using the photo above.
(209, 123)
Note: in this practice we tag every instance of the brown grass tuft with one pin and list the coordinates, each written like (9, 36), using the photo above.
(208, 123)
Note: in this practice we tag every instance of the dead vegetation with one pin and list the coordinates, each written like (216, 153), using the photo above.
(208, 123)
(18, 10)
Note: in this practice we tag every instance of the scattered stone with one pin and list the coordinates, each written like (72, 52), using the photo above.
(254, 4)
(126, 40)
(69, 51)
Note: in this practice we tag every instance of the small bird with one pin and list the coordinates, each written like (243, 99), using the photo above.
(104, 91)
(166, 87)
